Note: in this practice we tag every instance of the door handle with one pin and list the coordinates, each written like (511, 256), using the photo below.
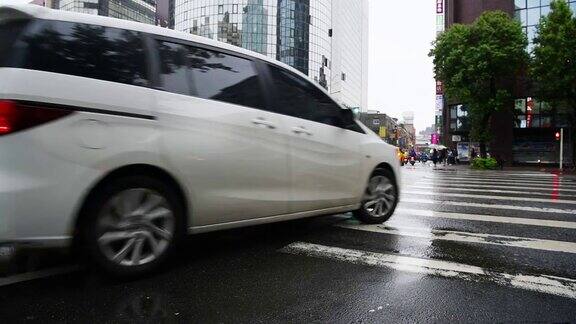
(301, 130)
(263, 122)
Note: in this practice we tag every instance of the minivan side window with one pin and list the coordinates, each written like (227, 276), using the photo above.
(173, 67)
(9, 32)
(224, 77)
(90, 51)
(299, 98)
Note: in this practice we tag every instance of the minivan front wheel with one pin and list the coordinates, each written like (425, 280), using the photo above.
(133, 225)
(380, 198)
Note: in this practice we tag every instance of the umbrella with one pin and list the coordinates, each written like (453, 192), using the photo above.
(437, 146)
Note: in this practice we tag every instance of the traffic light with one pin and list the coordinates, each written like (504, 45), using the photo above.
(557, 136)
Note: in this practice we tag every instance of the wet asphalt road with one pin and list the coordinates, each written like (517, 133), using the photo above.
(464, 246)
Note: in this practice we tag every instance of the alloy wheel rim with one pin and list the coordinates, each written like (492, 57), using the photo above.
(135, 227)
(380, 196)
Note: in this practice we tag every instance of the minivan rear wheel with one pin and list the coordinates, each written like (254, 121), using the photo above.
(133, 225)
(380, 198)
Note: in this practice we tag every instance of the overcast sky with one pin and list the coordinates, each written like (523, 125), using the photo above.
(401, 77)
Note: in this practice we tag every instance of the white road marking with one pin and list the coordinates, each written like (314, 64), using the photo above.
(490, 206)
(506, 198)
(507, 181)
(545, 284)
(550, 192)
(27, 276)
(487, 218)
(501, 176)
(467, 237)
(482, 184)
(535, 176)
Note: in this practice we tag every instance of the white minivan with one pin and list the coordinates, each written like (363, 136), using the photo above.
(121, 138)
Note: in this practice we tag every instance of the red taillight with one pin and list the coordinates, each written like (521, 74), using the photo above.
(15, 116)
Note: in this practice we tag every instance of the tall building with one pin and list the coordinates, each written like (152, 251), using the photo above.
(525, 132)
(143, 11)
(324, 39)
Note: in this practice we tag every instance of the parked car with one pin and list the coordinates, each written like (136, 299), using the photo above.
(121, 138)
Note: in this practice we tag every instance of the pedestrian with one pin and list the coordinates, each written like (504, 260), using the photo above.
(442, 157)
(434, 157)
(456, 159)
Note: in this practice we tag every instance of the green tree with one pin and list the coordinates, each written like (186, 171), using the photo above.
(477, 64)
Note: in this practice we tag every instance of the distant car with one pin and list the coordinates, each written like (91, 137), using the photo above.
(122, 137)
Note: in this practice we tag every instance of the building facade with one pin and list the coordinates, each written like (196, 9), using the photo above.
(324, 39)
(143, 11)
(524, 133)
(389, 129)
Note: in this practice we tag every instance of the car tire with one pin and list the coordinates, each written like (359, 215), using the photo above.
(380, 198)
(132, 225)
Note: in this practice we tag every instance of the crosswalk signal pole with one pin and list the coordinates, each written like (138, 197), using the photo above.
(561, 148)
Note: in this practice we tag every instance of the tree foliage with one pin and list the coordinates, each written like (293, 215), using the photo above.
(553, 67)
(477, 64)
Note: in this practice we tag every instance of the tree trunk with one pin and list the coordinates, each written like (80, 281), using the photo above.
(483, 149)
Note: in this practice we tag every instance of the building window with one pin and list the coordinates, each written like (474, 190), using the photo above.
(221, 9)
(459, 121)
(235, 8)
(203, 11)
(343, 76)
(531, 113)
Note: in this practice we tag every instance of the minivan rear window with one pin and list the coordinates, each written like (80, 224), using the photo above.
(9, 31)
(90, 51)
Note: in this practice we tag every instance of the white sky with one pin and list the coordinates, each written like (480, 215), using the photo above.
(400, 72)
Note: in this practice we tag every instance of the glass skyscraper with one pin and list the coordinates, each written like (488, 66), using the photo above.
(299, 33)
(143, 11)
(528, 12)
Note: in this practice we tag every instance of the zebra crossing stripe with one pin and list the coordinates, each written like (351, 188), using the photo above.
(490, 206)
(507, 181)
(467, 237)
(498, 186)
(550, 193)
(504, 176)
(486, 218)
(542, 283)
(506, 198)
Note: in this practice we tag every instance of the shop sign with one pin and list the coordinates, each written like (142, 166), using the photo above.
(439, 88)
(383, 132)
(439, 6)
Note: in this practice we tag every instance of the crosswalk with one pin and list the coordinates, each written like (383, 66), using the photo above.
(527, 219)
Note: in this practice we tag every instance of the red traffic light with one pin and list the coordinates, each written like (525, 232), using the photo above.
(557, 136)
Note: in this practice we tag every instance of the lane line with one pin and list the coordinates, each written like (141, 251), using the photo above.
(456, 186)
(486, 218)
(505, 198)
(490, 206)
(37, 275)
(532, 193)
(513, 184)
(467, 237)
(558, 286)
